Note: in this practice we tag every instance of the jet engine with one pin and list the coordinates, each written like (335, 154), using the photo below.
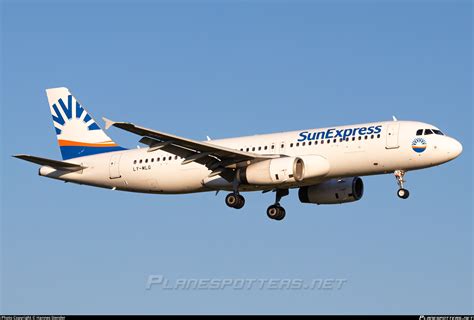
(285, 169)
(333, 191)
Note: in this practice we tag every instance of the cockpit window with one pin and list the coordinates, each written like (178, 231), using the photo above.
(420, 132)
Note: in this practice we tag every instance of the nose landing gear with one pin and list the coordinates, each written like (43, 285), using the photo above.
(402, 192)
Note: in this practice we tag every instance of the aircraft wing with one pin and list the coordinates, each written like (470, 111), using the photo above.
(206, 153)
(60, 165)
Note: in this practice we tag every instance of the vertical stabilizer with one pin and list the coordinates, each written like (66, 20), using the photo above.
(78, 134)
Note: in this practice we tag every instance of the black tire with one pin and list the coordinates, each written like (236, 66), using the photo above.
(281, 214)
(272, 212)
(231, 200)
(403, 193)
(240, 202)
(407, 194)
(276, 212)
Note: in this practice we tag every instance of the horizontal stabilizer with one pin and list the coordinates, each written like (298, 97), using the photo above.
(59, 165)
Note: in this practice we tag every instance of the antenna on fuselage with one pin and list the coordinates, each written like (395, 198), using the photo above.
(394, 118)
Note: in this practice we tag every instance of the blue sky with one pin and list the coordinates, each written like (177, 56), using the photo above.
(230, 69)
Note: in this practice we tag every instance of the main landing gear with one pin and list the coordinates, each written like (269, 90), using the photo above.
(235, 200)
(275, 211)
(402, 193)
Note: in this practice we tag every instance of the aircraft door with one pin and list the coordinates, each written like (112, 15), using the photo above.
(392, 135)
(114, 166)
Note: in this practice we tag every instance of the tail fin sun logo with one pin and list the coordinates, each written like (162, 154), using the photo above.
(419, 145)
(68, 112)
(77, 133)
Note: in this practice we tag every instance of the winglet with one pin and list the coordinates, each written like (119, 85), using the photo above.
(108, 123)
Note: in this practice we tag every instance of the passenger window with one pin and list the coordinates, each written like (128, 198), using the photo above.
(322, 141)
(297, 144)
(360, 138)
(335, 140)
(169, 158)
(316, 142)
(176, 157)
(303, 144)
(291, 145)
(259, 148)
(141, 160)
(253, 149)
(428, 131)
(353, 138)
(247, 149)
(282, 145)
(340, 140)
(372, 136)
(378, 136)
(158, 159)
(273, 146)
(265, 148)
(329, 141)
(309, 143)
(146, 160)
(419, 132)
(152, 159)
(164, 158)
(134, 161)
(366, 137)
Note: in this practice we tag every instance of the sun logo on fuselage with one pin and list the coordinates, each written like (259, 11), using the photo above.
(419, 145)
(71, 113)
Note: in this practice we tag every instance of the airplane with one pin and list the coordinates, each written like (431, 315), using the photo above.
(324, 164)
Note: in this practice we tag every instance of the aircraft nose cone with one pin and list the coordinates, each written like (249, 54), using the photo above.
(455, 148)
(458, 148)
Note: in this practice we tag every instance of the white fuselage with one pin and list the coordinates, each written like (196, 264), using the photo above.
(350, 152)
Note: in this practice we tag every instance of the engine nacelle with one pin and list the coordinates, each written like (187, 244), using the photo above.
(333, 191)
(286, 169)
(272, 171)
(314, 166)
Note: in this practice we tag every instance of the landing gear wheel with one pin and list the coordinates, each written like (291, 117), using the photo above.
(234, 200)
(399, 176)
(276, 212)
(403, 193)
(281, 214)
(231, 200)
(240, 202)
